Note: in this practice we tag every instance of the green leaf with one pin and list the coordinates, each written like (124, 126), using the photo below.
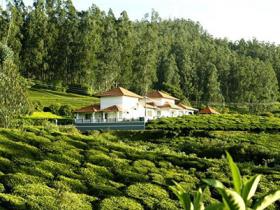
(249, 188)
(198, 200)
(183, 196)
(267, 200)
(216, 206)
(232, 200)
(214, 183)
(236, 177)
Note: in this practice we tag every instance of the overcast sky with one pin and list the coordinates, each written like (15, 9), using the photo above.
(233, 19)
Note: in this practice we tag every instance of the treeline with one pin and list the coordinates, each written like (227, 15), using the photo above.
(54, 42)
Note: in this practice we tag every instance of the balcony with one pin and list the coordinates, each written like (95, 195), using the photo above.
(110, 120)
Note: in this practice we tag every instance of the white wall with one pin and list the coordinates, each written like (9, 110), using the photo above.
(130, 102)
(162, 101)
(124, 101)
(106, 102)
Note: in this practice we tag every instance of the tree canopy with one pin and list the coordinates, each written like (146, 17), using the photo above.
(13, 101)
(54, 42)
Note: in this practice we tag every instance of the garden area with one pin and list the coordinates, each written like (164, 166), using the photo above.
(58, 168)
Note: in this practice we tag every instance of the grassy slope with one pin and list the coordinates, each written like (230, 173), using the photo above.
(50, 168)
(48, 97)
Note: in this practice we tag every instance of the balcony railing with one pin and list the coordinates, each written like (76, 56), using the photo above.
(110, 120)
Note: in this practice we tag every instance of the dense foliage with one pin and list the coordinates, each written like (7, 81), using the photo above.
(95, 50)
(13, 100)
(58, 168)
(237, 122)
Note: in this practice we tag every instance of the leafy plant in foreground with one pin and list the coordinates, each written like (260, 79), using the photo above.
(239, 198)
(185, 198)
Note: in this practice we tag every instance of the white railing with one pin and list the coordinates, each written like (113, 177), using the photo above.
(111, 120)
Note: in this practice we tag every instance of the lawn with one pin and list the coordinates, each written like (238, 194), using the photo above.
(44, 115)
(48, 97)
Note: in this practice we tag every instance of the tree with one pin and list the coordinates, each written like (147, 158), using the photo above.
(13, 95)
(168, 71)
(108, 68)
(34, 51)
(212, 90)
(126, 39)
(145, 56)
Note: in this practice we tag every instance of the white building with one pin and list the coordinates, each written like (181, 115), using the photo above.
(119, 105)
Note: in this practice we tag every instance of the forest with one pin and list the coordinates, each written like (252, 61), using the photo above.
(54, 43)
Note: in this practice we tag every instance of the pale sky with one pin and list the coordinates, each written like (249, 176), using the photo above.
(233, 19)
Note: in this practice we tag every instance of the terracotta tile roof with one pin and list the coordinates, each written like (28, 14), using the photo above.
(119, 92)
(114, 108)
(171, 106)
(159, 94)
(186, 107)
(89, 109)
(150, 106)
(208, 110)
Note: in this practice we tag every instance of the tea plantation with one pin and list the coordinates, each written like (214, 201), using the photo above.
(58, 168)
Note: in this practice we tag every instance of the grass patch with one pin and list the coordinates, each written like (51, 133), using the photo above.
(48, 97)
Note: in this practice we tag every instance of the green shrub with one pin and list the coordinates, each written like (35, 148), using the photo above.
(74, 184)
(37, 105)
(65, 110)
(69, 130)
(11, 181)
(44, 202)
(129, 176)
(2, 188)
(144, 166)
(73, 201)
(9, 201)
(80, 89)
(167, 204)
(57, 85)
(94, 172)
(36, 189)
(53, 108)
(6, 165)
(149, 194)
(57, 168)
(102, 190)
(119, 203)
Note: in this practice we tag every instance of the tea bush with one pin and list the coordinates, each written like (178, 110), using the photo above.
(120, 203)
(46, 168)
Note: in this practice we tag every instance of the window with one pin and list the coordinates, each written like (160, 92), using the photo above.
(88, 116)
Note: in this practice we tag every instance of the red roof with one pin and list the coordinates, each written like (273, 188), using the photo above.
(89, 109)
(171, 106)
(114, 108)
(186, 107)
(159, 94)
(208, 110)
(119, 92)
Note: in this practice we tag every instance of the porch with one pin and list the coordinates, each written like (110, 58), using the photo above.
(117, 125)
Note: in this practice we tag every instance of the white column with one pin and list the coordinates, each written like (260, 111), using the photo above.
(103, 116)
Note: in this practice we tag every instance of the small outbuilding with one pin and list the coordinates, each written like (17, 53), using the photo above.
(208, 110)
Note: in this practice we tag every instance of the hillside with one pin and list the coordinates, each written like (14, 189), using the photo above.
(62, 169)
(96, 50)
(49, 97)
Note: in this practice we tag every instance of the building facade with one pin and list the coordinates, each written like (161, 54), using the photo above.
(122, 105)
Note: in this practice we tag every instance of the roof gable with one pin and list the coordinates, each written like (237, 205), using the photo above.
(208, 110)
(119, 91)
(89, 109)
(186, 107)
(159, 94)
